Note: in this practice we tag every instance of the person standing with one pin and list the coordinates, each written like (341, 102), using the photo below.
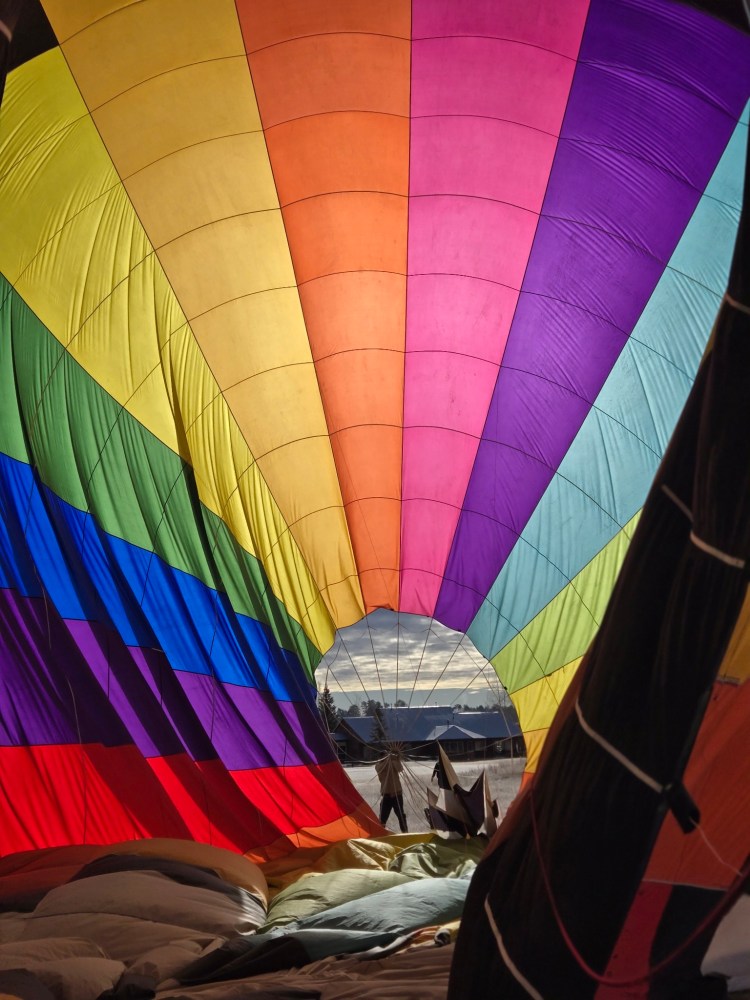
(388, 769)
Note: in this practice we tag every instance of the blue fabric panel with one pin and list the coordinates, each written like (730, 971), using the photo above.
(91, 575)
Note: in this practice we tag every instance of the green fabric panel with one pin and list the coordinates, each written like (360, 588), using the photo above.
(315, 892)
(96, 456)
(562, 631)
(12, 440)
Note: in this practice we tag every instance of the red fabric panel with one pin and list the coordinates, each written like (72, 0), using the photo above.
(212, 806)
(298, 797)
(56, 795)
(53, 795)
(631, 955)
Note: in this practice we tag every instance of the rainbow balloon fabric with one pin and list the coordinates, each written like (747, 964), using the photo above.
(312, 308)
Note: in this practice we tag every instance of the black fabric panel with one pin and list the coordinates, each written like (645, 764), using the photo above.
(687, 908)
(32, 32)
(477, 966)
(644, 686)
(731, 11)
(739, 276)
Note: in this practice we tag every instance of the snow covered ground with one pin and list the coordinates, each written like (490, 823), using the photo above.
(504, 778)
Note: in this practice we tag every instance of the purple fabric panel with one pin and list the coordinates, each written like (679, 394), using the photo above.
(141, 687)
(651, 109)
(129, 696)
(39, 665)
(250, 729)
(178, 715)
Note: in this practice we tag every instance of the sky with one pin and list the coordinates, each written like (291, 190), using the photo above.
(389, 656)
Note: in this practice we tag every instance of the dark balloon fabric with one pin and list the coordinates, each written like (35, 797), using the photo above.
(620, 807)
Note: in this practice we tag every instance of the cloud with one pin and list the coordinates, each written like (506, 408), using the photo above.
(387, 656)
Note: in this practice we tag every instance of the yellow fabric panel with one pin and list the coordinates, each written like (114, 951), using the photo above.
(227, 259)
(192, 188)
(84, 266)
(231, 483)
(133, 38)
(537, 703)
(209, 206)
(285, 405)
(59, 134)
(282, 557)
(243, 356)
(332, 572)
(534, 743)
(91, 276)
(736, 663)
(175, 111)
(119, 342)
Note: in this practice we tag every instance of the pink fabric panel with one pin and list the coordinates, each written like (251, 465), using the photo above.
(490, 82)
(457, 312)
(492, 79)
(440, 459)
(516, 173)
(436, 470)
(556, 26)
(474, 236)
(451, 391)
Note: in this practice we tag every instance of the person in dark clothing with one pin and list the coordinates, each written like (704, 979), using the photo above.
(388, 770)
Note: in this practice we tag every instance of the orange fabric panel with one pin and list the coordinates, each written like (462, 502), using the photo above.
(716, 777)
(349, 231)
(329, 73)
(333, 89)
(362, 387)
(275, 22)
(369, 154)
(357, 824)
(370, 462)
(356, 310)
(380, 584)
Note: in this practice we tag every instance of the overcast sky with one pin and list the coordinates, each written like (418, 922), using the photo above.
(388, 656)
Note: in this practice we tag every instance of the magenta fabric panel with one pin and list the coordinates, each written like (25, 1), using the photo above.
(489, 87)
(657, 93)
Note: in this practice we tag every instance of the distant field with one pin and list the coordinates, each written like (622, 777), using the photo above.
(504, 778)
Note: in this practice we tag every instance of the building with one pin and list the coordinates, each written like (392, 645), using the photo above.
(464, 735)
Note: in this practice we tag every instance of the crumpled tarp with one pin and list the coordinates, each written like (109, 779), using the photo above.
(314, 892)
(358, 852)
(440, 858)
(358, 925)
